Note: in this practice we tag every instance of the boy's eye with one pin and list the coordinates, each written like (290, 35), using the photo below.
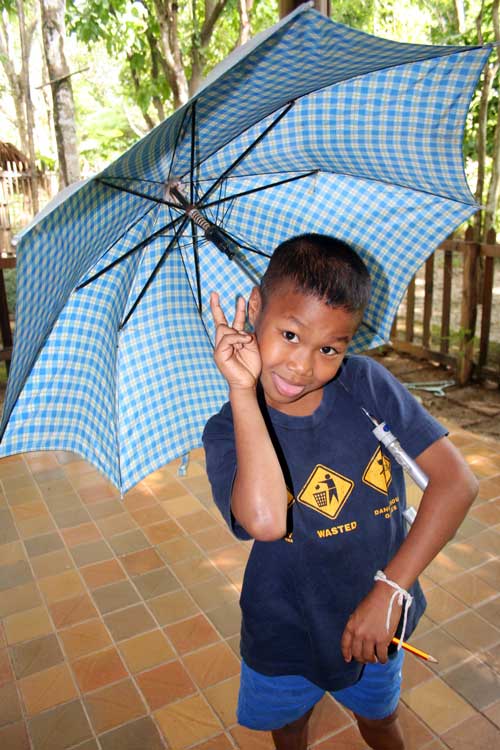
(329, 351)
(289, 335)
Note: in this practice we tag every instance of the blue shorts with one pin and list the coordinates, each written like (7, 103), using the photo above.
(268, 703)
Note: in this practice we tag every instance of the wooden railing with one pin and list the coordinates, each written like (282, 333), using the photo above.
(448, 335)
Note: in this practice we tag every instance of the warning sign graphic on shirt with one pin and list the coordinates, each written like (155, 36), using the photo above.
(378, 472)
(326, 491)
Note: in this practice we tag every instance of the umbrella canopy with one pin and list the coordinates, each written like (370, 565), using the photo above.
(311, 127)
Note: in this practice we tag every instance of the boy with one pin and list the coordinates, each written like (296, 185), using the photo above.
(294, 465)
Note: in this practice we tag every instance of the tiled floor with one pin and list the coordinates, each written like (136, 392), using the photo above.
(120, 621)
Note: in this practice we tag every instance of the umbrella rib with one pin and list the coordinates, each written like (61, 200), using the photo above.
(148, 283)
(137, 193)
(258, 189)
(193, 135)
(139, 246)
(248, 150)
(177, 139)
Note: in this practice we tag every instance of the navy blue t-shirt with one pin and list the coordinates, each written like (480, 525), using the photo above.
(346, 496)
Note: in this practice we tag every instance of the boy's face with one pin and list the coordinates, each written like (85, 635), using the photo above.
(302, 343)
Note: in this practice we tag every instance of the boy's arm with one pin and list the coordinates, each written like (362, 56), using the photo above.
(259, 495)
(451, 491)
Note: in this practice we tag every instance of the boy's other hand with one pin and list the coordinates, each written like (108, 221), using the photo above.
(365, 636)
(236, 352)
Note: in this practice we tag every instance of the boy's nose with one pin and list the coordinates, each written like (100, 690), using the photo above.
(301, 364)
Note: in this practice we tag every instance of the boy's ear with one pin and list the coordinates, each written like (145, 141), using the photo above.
(254, 305)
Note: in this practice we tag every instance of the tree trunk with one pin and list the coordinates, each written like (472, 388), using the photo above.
(494, 186)
(16, 87)
(30, 118)
(166, 12)
(62, 93)
(244, 8)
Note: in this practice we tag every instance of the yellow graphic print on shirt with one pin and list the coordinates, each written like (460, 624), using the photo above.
(326, 491)
(378, 473)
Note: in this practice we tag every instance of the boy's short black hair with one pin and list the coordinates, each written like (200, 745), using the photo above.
(320, 265)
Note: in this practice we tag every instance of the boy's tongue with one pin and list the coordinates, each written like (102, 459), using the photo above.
(285, 388)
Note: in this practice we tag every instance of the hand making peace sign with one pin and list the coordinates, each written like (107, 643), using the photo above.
(236, 352)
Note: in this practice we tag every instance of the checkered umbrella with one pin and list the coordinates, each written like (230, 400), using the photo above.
(310, 127)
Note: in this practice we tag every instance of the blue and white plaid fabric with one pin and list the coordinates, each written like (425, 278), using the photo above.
(375, 136)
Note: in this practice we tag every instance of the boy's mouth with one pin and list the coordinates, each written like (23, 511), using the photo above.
(285, 388)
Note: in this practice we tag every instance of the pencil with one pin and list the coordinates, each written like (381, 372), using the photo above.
(414, 650)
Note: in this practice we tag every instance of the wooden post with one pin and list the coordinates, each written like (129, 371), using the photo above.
(446, 310)
(410, 311)
(469, 309)
(286, 6)
(489, 270)
(429, 290)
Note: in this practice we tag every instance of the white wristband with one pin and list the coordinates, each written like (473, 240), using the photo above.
(404, 599)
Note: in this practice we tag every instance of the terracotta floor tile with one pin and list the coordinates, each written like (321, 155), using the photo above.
(84, 638)
(67, 519)
(23, 626)
(415, 671)
(236, 577)
(41, 545)
(487, 541)
(60, 728)
(167, 490)
(129, 622)
(52, 564)
(223, 697)
(438, 705)
(213, 593)
(14, 737)
(20, 598)
(35, 656)
(229, 558)
(55, 488)
(491, 611)
(11, 553)
(214, 538)
(443, 647)
(191, 634)
(162, 532)
(489, 488)
(61, 586)
(149, 515)
(47, 689)
(103, 573)
(10, 708)
(476, 682)
(92, 552)
(328, 717)
(442, 568)
(475, 733)
(172, 607)
(106, 509)
(165, 684)
(139, 734)
(70, 611)
(227, 619)
(8, 531)
(197, 521)
(470, 589)
(472, 631)
(247, 739)
(6, 673)
(487, 513)
(33, 526)
(220, 742)
(114, 705)
(115, 596)
(131, 541)
(146, 650)
(493, 713)
(63, 502)
(187, 721)
(194, 570)
(234, 644)
(178, 549)
(468, 528)
(97, 492)
(139, 497)
(155, 583)
(183, 505)
(142, 561)
(212, 664)
(466, 554)
(417, 735)
(16, 574)
(97, 670)
(114, 525)
(490, 573)
(441, 605)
